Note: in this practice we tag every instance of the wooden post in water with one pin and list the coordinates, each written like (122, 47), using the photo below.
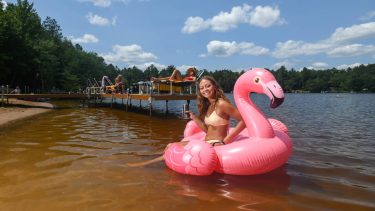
(112, 101)
(2, 95)
(127, 101)
(166, 107)
(150, 105)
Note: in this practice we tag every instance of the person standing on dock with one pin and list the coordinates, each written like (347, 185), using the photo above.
(119, 84)
(118, 87)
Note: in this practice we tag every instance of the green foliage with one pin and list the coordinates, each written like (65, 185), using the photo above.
(226, 79)
(35, 54)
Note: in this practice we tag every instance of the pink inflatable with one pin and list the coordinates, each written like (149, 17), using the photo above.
(265, 144)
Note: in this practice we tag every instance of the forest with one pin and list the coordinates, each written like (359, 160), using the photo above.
(35, 56)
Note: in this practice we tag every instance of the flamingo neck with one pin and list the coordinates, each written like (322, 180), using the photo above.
(256, 123)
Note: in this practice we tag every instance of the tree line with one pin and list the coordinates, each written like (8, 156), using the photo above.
(34, 54)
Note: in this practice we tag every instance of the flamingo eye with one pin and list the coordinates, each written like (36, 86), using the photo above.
(256, 80)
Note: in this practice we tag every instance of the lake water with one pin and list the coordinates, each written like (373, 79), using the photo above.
(74, 159)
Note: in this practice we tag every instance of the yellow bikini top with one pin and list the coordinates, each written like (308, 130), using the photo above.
(215, 120)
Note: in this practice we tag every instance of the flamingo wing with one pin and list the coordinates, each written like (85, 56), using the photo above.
(196, 158)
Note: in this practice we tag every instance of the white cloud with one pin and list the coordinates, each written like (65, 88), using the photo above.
(225, 49)
(294, 48)
(4, 4)
(346, 66)
(319, 66)
(335, 45)
(195, 24)
(368, 16)
(98, 20)
(225, 21)
(352, 50)
(265, 16)
(104, 3)
(86, 38)
(261, 16)
(354, 32)
(144, 66)
(130, 54)
(286, 64)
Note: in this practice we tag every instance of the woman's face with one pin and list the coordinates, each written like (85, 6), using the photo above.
(207, 89)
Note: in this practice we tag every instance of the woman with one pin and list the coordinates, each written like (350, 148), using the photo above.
(176, 76)
(119, 84)
(215, 110)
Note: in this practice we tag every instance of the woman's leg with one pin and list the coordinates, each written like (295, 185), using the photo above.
(176, 76)
(159, 79)
(155, 160)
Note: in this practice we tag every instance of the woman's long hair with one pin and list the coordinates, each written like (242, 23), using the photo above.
(191, 69)
(203, 102)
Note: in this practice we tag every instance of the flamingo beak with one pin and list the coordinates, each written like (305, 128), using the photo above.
(276, 102)
(274, 91)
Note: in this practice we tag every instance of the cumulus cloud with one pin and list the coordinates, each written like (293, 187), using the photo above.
(318, 66)
(101, 21)
(265, 16)
(337, 45)
(286, 64)
(354, 32)
(104, 3)
(346, 66)
(352, 50)
(228, 20)
(130, 54)
(225, 49)
(260, 16)
(144, 66)
(86, 38)
(195, 24)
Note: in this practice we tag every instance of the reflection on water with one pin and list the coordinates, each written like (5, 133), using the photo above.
(249, 192)
(75, 159)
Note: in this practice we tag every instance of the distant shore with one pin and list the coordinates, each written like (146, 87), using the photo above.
(17, 110)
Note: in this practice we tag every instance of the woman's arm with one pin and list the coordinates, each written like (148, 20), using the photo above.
(232, 112)
(199, 122)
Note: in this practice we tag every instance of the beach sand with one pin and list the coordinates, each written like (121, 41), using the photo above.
(20, 109)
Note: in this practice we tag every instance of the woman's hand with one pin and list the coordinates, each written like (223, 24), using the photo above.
(190, 114)
(198, 121)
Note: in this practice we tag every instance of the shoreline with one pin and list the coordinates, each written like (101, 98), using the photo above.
(17, 110)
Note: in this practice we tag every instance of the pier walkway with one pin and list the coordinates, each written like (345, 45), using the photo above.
(123, 99)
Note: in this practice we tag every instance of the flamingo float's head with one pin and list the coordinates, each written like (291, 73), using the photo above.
(261, 81)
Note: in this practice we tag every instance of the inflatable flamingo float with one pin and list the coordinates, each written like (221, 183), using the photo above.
(262, 147)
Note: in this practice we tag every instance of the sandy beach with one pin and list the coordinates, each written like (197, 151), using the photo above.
(21, 109)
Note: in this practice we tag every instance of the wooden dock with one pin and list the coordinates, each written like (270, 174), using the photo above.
(45, 96)
(126, 99)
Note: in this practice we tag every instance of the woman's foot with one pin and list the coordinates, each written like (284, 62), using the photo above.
(153, 79)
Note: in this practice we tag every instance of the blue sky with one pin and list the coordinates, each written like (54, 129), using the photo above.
(219, 34)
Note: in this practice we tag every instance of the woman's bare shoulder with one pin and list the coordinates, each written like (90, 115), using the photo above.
(222, 104)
